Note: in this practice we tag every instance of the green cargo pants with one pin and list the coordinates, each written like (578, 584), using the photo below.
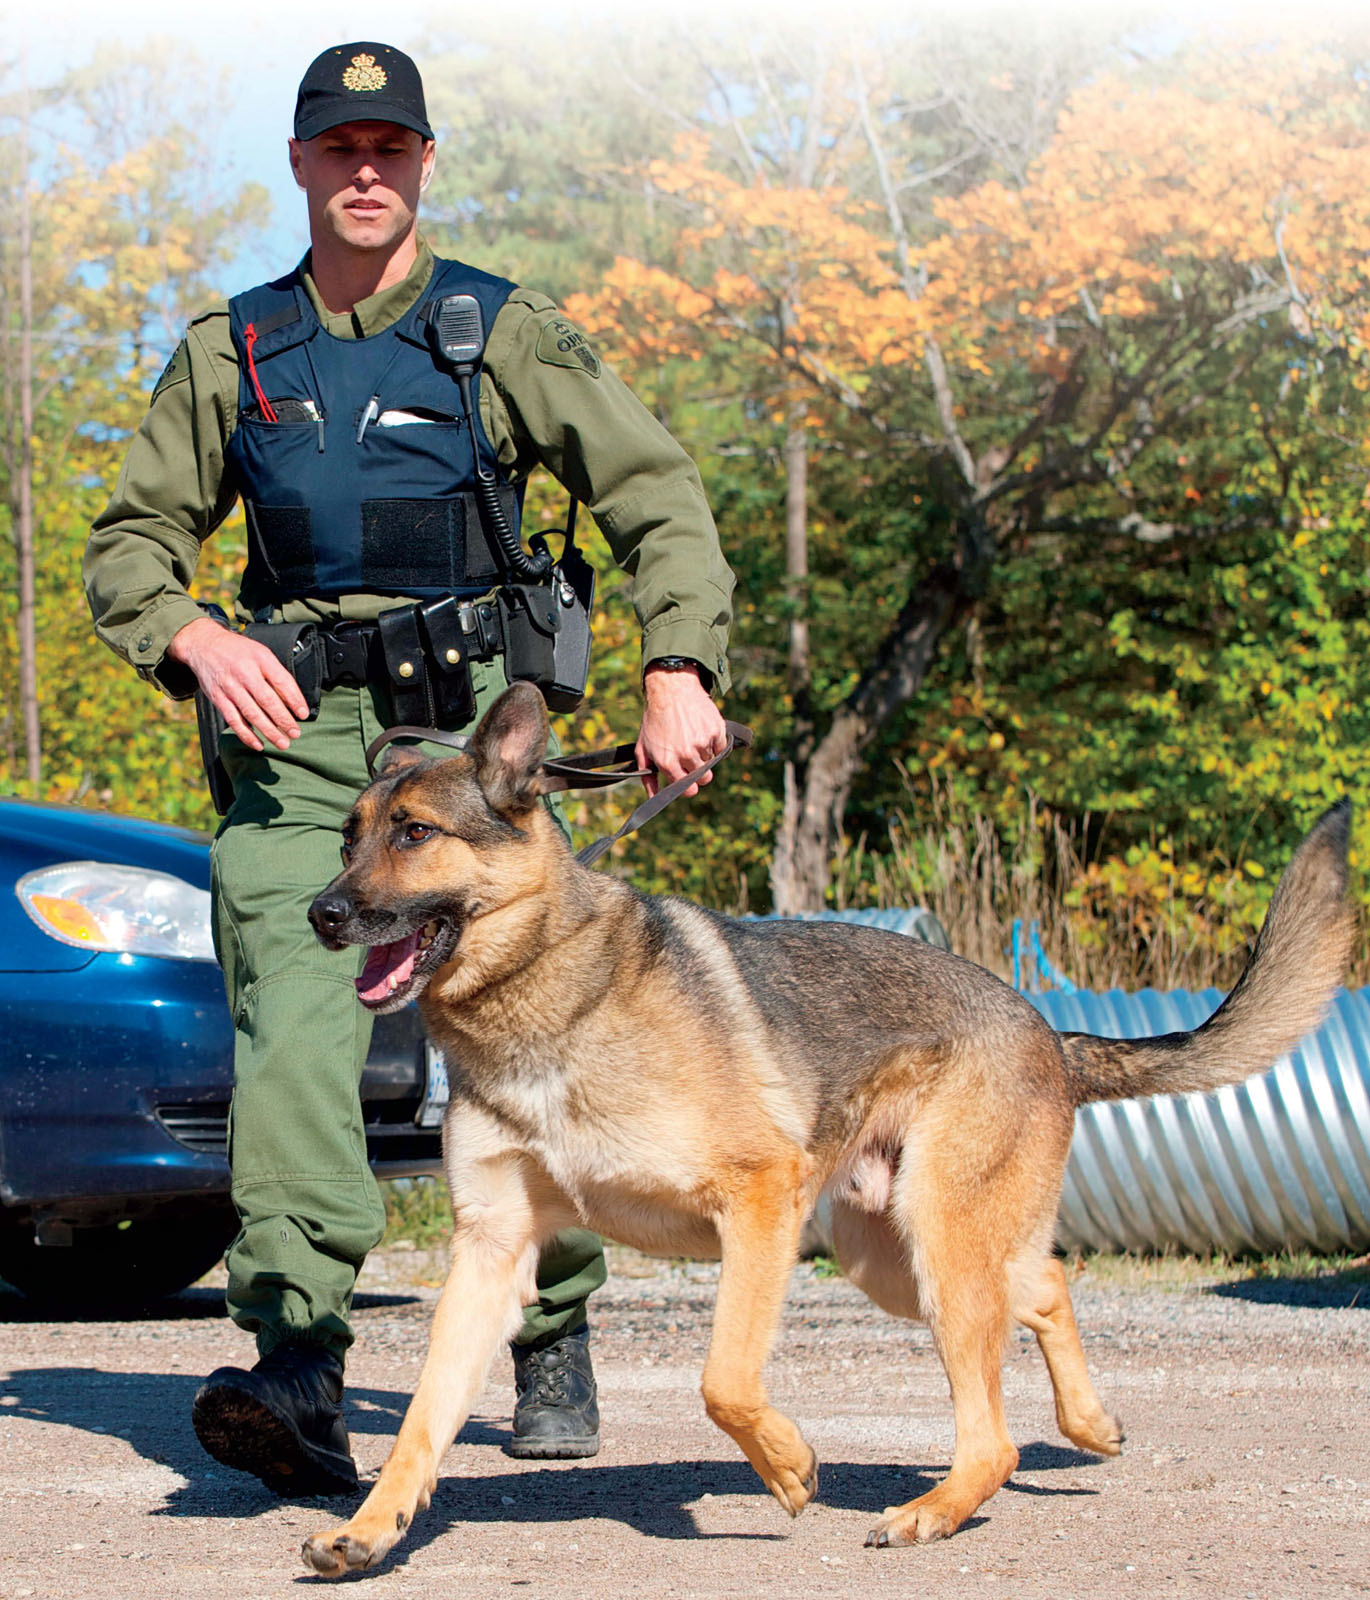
(308, 1203)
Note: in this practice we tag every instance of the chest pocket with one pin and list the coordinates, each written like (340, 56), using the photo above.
(276, 461)
(411, 542)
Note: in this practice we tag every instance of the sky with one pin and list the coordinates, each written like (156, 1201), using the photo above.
(268, 46)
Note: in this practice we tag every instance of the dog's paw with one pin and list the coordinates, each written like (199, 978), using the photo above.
(919, 1522)
(1099, 1432)
(337, 1551)
(794, 1489)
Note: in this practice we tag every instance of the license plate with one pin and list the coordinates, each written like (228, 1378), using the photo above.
(437, 1091)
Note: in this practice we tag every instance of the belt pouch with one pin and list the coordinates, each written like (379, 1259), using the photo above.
(529, 614)
(449, 666)
(573, 583)
(402, 648)
(298, 648)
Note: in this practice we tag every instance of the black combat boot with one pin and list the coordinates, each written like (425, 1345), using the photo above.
(282, 1422)
(556, 1415)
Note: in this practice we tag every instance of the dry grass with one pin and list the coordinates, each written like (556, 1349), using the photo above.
(1175, 1270)
(1103, 925)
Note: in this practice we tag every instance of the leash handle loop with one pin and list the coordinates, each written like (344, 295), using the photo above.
(583, 772)
(738, 734)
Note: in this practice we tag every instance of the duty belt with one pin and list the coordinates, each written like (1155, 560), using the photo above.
(357, 653)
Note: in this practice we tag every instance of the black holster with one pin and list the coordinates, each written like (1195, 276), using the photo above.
(547, 630)
(299, 649)
(210, 721)
(449, 663)
(406, 670)
(297, 646)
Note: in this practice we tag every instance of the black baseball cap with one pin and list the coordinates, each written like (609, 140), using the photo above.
(362, 82)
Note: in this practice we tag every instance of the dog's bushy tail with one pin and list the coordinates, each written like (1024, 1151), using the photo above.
(1298, 962)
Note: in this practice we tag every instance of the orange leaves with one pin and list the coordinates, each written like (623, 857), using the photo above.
(1141, 189)
(797, 272)
(648, 313)
(1164, 200)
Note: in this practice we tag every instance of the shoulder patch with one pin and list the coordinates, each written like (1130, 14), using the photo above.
(177, 369)
(562, 344)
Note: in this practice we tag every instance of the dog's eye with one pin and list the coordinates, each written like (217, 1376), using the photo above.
(417, 832)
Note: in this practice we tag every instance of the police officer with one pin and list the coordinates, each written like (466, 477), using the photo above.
(321, 401)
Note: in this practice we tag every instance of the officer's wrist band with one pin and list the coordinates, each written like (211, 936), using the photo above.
(682, 664)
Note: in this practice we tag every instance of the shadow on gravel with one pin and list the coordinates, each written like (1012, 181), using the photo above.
(190, 1305)
(152, 1411)
(1333, 1291)
(657, 1500)
(1042, 1457)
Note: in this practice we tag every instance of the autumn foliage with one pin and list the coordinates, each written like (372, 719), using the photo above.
(1097, 343)
(1073, 350)
(1239, 181)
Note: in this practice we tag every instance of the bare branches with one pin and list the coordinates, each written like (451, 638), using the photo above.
(932, 353)
(1295, 293)
(943, 169)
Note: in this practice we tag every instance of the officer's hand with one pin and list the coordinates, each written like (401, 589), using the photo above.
(245, 681)
(681, 728)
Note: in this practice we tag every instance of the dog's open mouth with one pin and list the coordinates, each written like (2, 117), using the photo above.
(395, 973)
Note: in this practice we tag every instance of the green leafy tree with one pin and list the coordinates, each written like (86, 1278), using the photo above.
(127, 232)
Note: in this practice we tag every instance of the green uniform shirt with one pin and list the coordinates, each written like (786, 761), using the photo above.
(541, 404)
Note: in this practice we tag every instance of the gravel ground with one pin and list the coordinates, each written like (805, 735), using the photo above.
(1246, 1471)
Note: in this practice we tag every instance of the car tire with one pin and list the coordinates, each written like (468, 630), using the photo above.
(118, 1266)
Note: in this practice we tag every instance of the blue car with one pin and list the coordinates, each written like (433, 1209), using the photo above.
(116, 1063)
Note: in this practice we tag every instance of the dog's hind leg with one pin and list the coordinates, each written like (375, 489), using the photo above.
(1041, 1301)
(759, 1234)
(963, 1293)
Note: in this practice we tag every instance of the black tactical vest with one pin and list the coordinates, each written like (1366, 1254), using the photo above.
(365, 479)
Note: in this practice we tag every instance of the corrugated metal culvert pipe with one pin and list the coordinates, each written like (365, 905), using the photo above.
(1281, 1162)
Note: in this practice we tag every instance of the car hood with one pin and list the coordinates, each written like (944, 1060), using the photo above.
(37, 833)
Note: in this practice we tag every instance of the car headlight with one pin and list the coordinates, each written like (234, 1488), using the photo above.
(97, 906)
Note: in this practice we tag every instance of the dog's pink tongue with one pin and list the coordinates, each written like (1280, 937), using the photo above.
(385, 962)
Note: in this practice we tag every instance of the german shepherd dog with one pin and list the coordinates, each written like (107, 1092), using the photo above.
(688, 1084)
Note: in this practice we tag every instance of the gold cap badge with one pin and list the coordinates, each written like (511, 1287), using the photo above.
(364, 74)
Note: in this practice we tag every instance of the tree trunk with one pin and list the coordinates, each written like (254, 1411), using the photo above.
(815, 807)
(797, 552)
(27, 628)
(783, 861)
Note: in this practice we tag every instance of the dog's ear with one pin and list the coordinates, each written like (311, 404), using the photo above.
(509, 748)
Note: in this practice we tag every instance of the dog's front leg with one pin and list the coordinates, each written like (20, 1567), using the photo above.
(759, 1234)
(494, 1263)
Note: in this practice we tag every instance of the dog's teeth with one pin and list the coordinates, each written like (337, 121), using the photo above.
(394, 983)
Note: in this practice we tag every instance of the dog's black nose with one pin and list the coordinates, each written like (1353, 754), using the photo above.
(329, 911)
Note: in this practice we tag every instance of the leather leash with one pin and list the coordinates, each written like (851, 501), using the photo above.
(599, 769)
